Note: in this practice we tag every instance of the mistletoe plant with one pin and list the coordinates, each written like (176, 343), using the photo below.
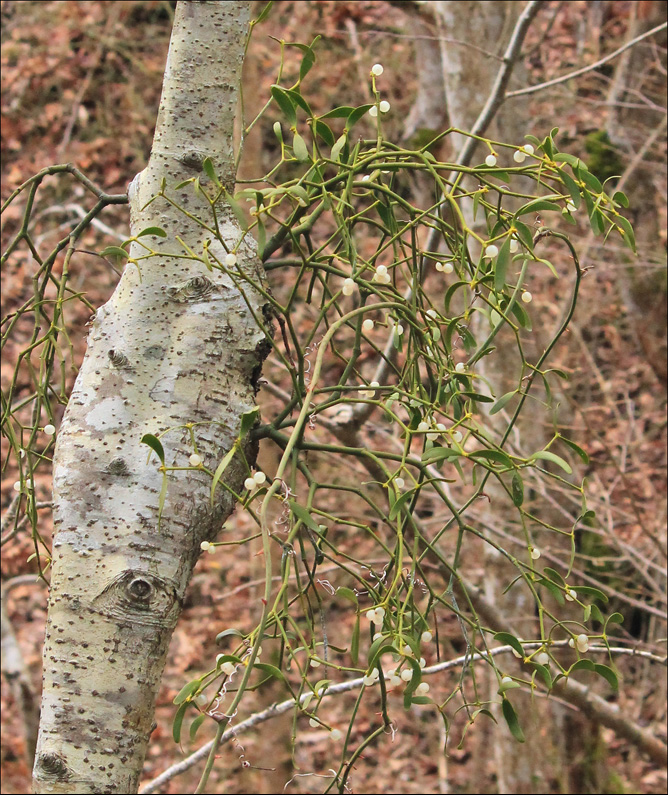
(374, 308)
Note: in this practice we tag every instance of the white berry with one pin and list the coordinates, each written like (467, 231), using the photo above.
(407, 674)
(527, 298)
(384, 106)
(426, 636)
(543, 658)
(422, 689)
(490, 160)
(399, 483)
(335, 734)
(195, 460)
(231, 260)
(377, 69)
(250, 484)
(204, 546)
(259, 478)
(535, 553)
(491, 251)
(460, 367)
(514, 245)
(49, 430)
(367, 325)
(348, 286)
(373, 111)
(519, 156)
(448, 267)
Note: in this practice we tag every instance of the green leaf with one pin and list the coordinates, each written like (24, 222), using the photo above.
(615, 618)
(248, 421)
(511, 719)
(301, 513)
(501, 268)
(400, 503)
(342, 112)
(544, 672)
(152, 230)
(155, 444)
(300, 149)
(546, 455)
(582, 665)
(324, 132)
(524, 234)
(356, 115)
(194, 727)
(576, 447)
(502, 401)
(435, 454)
(299, 100)
(272, 670)
(538, 205)
(228, 633)
(114, 251)
(264, 13)
(285, 103)
(510, 640)
(628, 236)
(607, 673)
(186, 691)
(552, 588)
(477, 396)
(347, 593)
(621, 198)
(563, 157)
(338, 146)
(210, 171)
(225, 461)
(589, 591)
(572, 188)
(596, 614)
(178, 721)
(517, 486)
(554, 576)
(590, 180)
(522, 317)
(495, 456)
(597, 222)
(237, 209)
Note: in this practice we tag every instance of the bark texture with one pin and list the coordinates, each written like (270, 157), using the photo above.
(175, 344)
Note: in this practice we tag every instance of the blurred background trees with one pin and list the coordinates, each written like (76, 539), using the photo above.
(81, 83)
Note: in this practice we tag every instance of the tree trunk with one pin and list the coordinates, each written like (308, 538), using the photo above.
(175, 351)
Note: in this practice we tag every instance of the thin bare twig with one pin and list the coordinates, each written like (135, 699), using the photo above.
(565, 78)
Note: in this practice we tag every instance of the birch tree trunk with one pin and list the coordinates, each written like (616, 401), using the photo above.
(175, 344)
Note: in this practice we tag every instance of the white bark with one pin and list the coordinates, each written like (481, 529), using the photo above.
(176, 345)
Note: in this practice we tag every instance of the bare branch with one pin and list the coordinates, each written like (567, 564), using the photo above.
(565, 78)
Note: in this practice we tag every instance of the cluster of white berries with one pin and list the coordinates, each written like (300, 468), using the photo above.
(255, 481)
(227, 667)
(349, 286)
(520, 155)
(369, 393)
(231, 260)
(383, 106)
(381, 275)
(207, 546)
(372, 678)
(444, 267)
(581, 641)
(28, 482)
(376, 615)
